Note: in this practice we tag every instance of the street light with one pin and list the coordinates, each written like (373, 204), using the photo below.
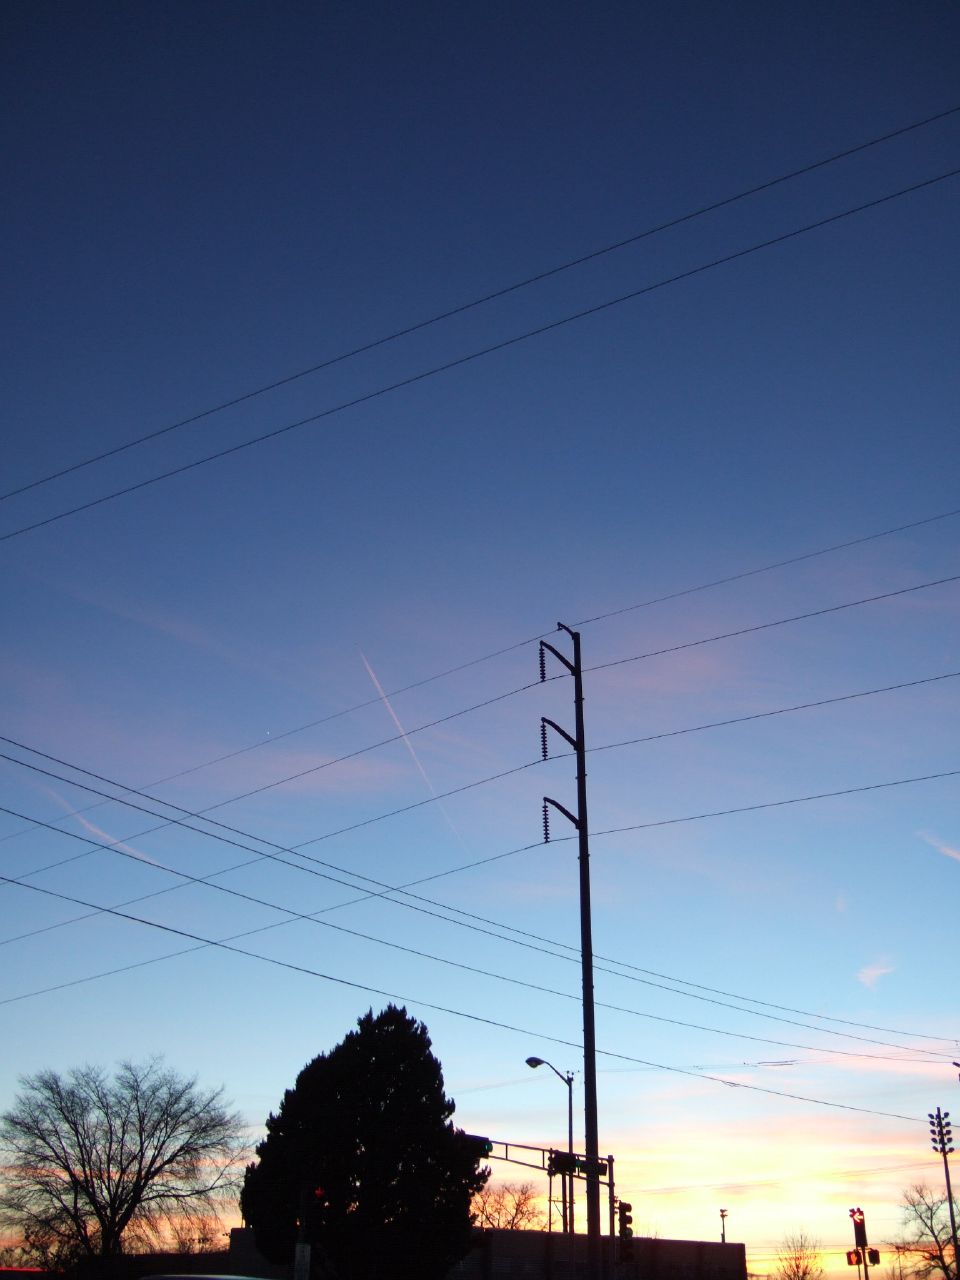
(567, 1180)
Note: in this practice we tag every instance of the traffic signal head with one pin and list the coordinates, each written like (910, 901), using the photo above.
(853, 1257)
(873, 1257)
(626, 1217)
(859, 1228)
(561, 1162)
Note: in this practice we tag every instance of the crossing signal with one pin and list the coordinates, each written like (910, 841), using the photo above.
(873, 1257)
(853, 1257)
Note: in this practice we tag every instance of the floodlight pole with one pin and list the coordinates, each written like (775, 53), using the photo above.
(577, 741)
(941, 1137)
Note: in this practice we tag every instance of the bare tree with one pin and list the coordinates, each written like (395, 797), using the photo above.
(92, 1160)
(925, 1247)
(510, 1206)
(798, 1258)
(196, 1233)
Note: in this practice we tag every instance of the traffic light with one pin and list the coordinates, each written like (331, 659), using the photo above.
(561, 1162)
(853, 1257)
(569, 1162)
(481, 1146)
(859, 1228)
(624, 1211)
(873, 1257)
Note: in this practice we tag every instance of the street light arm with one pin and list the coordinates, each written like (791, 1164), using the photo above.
(542, 1062)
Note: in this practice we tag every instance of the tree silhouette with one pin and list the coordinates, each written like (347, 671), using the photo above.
(509, 1206)
(925, 1247)
(363, 1154)
(91, 1159)
(798, 1258)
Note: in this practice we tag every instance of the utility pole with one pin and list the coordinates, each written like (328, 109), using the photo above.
(579, 821)
(941, 1138)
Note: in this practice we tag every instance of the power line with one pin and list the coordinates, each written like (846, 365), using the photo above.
(385, 890)
(477, 302)
(312, 918)
(417, 684)
(764, 715)
(766, 568)
(777, 804)
(612, 746)
(459, 1013)
(293, 777)
(470, 357)
(129, 790)
(779, 622)
(756, 627)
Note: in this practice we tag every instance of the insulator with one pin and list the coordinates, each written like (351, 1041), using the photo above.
(543, 738)
(543, 663)
(546, 823)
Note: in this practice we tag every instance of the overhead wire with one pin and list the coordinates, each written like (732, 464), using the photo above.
(756, 627)
(598, 617)
(536, 278)
(461, 361)
(380, 887)
(119, 846)
(388, 889)
(127, 790)
(766, 568)
(460, 1013)
(294, 915)
(293, 777)
(778, 622)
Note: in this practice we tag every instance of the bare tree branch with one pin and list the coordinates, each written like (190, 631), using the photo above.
(509, 1206)
(798, 1258)
(92, 1158)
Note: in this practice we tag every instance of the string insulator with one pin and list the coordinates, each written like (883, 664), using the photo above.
(546, 823)
(543, 663)
(543, 738)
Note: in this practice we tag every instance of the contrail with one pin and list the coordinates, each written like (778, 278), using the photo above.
(409, 745)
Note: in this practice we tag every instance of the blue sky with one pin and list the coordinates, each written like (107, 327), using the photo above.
(209, 199)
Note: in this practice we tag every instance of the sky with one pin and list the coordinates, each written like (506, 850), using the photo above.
(306, 606)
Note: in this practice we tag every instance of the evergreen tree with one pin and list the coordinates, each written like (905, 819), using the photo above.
(363, 1150)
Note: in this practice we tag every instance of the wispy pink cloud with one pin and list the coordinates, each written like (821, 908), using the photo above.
(870, 974)
(948, 850)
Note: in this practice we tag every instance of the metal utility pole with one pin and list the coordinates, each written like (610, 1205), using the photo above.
(579, 821)
(723, 1226)
(941, 1138)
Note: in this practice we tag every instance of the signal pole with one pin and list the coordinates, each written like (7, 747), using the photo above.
(860, 1240)
(579, 821)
